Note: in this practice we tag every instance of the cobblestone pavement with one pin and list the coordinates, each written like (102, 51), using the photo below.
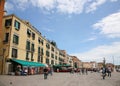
(61, 79)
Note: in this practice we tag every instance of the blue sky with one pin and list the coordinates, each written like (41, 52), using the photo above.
(88, 29)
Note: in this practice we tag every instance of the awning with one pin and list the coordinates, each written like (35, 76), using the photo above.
(27, 63)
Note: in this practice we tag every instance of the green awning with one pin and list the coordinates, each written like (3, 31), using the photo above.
(27, 63)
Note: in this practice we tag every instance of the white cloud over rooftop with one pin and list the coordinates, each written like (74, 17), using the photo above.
(61, 6)
(98, 53)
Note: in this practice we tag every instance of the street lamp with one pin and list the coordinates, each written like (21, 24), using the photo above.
(104, 61)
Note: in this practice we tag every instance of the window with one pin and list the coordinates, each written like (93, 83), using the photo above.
(28, 32)
(6, 37)
(27, 55)
(32, 57)
(42, 42)
(39, 40)
(48, 46)
(38, 54)
(47, 61)
(8, 22)
(14, 53)
(52, 49)
(52, 62)
(56, 57)
(47, 53)
(42, 51)
(38, 57)
(33, 36)
(15, 39)
(17, 25)
(28, 45)
(38, 49)
(32, 48)
(52, 55)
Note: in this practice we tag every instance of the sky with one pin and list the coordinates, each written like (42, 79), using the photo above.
(88, 29)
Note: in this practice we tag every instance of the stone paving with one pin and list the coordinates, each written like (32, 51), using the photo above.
(61, 79)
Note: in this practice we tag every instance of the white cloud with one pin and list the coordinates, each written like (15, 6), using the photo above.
(109, 26)
(98, 53)
(47, 4)
(9, 6)
(93, 6)
(61, 6)
(113, 0)
(89, 39)
(48, 29)
(21, 4)
(71, 6)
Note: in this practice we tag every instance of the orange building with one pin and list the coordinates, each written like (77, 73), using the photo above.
(1, 16)
(2, 2)
(76, 62)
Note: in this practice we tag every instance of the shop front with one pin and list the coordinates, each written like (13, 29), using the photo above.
(21, 67)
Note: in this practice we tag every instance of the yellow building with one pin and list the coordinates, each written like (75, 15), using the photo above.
(23, 42)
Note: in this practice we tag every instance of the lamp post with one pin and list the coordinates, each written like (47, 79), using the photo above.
(104, 61)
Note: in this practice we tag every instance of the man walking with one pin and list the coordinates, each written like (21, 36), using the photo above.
(45, 72)
(103, 72)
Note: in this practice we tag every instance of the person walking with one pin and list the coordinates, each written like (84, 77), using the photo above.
(103, 72)
(109, 71)
(45, 72)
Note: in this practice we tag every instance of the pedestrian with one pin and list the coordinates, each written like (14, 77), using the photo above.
(86, 71)
(50, 71)
(45, 72)
(80, 71)
(109, 71)
(103, 72)
(83, 71)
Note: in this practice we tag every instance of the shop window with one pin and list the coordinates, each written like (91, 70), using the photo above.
(14, 53)
(17, 25)
(15, 39)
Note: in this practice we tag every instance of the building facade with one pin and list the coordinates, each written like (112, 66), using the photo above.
(76, 62)
(2, 2)
(22, 41)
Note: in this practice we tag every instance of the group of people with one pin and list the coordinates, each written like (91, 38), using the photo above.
(106, 72)
(80, 71)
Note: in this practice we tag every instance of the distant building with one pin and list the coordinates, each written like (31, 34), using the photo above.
(76, 62)
(87, 65)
